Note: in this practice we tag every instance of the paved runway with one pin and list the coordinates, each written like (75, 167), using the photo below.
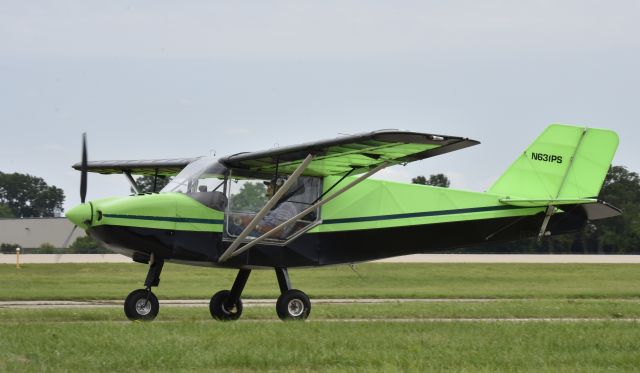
(418, 258)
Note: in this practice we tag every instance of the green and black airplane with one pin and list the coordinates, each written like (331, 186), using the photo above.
(314, 204)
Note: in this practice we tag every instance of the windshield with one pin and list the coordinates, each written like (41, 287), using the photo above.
(203, 175)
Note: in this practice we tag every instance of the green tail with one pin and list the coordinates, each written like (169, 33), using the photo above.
(565, 164)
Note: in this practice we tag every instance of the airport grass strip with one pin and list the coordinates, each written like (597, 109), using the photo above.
(373, 280)
(320, 346)
(504, 309)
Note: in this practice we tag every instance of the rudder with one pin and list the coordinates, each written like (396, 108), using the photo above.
(564, 162)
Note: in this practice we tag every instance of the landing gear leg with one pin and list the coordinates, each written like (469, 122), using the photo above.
(142, 304)
(226, 305)
(292, 304)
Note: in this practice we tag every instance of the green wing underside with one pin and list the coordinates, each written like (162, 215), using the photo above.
(341, 159)
(355, 153)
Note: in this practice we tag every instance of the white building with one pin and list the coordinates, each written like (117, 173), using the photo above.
(33, 232)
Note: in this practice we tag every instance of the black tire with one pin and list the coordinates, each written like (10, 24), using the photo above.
(293, 305)
(220, 311)
(141, 305)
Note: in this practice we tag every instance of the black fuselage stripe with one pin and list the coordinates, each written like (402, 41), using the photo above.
(420, 214)
(330, 221)
(165, 218)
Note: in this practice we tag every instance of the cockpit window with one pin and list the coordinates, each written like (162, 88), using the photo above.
(241, 194)
(204, 180)
(203, 173)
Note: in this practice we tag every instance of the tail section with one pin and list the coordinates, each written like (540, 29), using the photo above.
(564, 165)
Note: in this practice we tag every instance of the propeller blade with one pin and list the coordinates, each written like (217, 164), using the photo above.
(83, 175)
(66, 242)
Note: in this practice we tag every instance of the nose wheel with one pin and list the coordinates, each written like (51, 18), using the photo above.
(223, 308)
(141, 305)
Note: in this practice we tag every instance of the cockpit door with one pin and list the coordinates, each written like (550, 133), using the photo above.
(247, 197)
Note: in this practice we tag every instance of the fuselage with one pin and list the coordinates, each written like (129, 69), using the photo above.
(374, 220)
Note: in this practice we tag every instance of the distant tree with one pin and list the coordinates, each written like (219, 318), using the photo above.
(439, 180)
(620, 234)
(419, 180)
(29, 196)
(8, 248)
(5, 211)
(86, 245)
(145, 183)
(251, 197)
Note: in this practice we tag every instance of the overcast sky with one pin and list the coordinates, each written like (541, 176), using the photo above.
(158, 79)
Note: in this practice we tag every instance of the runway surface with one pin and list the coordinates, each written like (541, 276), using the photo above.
(417, 258)
(46, 304)
(204, 303)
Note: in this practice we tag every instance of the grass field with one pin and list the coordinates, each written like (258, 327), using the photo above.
(495, 329)
(380, 280)
(320, 346)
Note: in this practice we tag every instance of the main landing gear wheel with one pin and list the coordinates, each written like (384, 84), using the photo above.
(141, 305)
(221, 310)
(293, 305)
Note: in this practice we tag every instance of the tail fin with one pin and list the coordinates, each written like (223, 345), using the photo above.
(564, 163)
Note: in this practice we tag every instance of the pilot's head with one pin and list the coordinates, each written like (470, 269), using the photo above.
(273, 185)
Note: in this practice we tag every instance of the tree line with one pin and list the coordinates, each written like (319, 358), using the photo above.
(26, 196)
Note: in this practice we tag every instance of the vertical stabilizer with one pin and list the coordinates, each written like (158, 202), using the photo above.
(564, 162)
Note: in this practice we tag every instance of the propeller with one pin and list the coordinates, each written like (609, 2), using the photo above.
(79, 214)
(83, 170)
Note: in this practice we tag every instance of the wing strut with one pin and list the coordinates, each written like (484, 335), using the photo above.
(230, 254)
(133, 183)
(265, 210)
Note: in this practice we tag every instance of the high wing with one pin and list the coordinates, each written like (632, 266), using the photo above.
(355, 153)
(160, 167)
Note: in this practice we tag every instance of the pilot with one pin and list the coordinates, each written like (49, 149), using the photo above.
(281, 212)
(284, 209)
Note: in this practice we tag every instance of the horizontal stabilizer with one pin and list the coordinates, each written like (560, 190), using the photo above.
(600, 210)
(593, 211)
